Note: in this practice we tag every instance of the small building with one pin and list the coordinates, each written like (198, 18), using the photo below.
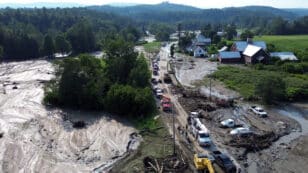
(284, 56)
(229, 57)
(255, 54)
(199, 52)
(240, 46)
(200, 40)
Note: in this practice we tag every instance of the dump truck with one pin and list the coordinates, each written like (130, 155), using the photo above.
(203, 163)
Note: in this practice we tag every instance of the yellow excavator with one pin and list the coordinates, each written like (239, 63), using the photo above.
(203, 163)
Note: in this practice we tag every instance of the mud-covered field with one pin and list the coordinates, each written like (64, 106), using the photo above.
(278, 140)
(39, 139)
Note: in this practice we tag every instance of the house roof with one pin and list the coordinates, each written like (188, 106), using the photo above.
(241, 45)
(251, 50)
(201, 39)
(284, 55)
(229, 55)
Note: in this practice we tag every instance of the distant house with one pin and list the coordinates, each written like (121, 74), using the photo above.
(198, 46)
(284, 56)
(240, 46)
(221, 33)
(199, 52)
(229, 57)
(200, 40)
(255, 54)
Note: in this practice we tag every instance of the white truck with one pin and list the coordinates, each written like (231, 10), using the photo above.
(258, 111)
(200, 132)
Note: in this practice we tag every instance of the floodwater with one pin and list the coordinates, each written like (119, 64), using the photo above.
(38, 139)
(291, 111)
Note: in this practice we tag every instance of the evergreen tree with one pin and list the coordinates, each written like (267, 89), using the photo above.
(49, 46)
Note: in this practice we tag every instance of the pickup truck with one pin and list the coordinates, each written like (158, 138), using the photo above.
(258, 111)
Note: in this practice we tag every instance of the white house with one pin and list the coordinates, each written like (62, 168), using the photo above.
(199, 52)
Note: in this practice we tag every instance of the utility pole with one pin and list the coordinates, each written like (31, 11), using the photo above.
(210, 89)
(173, 119)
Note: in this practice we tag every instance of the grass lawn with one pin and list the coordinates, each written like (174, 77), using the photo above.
(244, 80)
(152, 47)
(286, 43)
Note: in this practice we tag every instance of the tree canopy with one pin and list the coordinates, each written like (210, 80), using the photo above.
(119, 83)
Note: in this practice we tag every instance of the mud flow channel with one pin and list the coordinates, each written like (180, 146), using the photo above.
(40, 139)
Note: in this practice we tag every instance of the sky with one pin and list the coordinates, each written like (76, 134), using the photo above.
(196, 3)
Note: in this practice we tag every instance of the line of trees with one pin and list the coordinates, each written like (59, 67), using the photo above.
(32, 33)
(119, 83)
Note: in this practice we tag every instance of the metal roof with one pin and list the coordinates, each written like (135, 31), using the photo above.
(284, 55)
(241, 45)
(251, 50)
(201, 39)
(229, 55)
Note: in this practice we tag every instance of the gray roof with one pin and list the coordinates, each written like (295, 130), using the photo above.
(241, 45)
(229, 55)
(201, 39)
(284, 55)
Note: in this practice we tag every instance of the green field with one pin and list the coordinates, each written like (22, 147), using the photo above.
(286, 43)
(152, 47)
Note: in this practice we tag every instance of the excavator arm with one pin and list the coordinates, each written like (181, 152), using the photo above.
(203, 163)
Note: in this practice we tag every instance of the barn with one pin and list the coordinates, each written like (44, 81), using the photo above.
(255, 54)
(229, 57)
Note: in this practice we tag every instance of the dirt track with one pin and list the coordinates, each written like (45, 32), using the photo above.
(36, 139)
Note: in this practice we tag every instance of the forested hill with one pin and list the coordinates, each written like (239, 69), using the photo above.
(32, 33)
(195, 17)
(298, 11)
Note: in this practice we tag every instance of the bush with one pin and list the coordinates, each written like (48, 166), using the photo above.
(126, 100)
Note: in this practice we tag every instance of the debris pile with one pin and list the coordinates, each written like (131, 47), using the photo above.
(255, 142)
(168, 164)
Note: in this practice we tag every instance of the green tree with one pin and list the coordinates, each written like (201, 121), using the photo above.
(172, 47)
(1, 53)
(270, 88)
(81, 37)
(247, 34)
(120, 59)
(230, 32)
(62, 45)
(140, 75)
(49, 46)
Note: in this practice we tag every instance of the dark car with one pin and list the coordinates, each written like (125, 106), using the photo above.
(224, 162)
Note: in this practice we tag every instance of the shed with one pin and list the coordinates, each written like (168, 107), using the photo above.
(199, 52)
(229, 57)
(284, 56)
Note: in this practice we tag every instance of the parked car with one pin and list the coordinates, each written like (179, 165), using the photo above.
(203, 138)
(155, 73)
(241, 131)
(224, 161)
(154, 81)
(228, 123)
(258, 111)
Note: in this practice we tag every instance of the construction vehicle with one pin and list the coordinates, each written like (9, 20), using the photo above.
(203, 163)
